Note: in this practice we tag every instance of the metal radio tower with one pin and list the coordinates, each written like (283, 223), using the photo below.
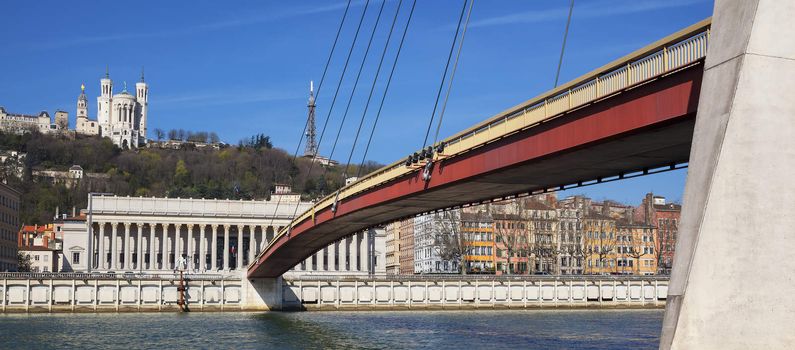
(311, 144)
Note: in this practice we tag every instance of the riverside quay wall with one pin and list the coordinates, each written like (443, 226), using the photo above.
(89, 292)
(471, 292)
(98, 292)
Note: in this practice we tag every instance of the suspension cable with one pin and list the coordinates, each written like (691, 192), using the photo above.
(356, 82)
(336, 94)
(444, 76)
(319, 87)
(452, 74)
(372, 87)
(386, 88)
(563, 47)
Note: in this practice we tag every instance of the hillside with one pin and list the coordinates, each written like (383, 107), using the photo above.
(247, 171)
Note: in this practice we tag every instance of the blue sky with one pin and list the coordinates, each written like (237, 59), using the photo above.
(241, 68)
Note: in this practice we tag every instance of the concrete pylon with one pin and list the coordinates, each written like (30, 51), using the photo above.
(731, 285)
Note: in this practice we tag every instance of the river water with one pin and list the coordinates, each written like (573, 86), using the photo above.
(503, 329)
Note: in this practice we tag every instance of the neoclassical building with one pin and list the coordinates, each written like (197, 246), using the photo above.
(152, 235)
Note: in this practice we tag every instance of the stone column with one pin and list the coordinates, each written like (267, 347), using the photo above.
(343, 253)
(152, 247)
(252, 234)
(166, 248)
(101, 246)
(354, 252)
(226, 248)
(202, 249)
(178, 249)
(191, 248)
(214, 248)
(332, 256)
(363, 250)
(139, 261)
(731, 284)
(114, 246)
(239, 247)
(127, 255)
(264, 242)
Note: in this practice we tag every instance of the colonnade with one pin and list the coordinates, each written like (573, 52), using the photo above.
(350, 254)
(142, 246)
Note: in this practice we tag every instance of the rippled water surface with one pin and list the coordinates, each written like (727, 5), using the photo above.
(516, 329)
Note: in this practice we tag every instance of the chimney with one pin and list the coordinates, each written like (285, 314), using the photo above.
(45, 241)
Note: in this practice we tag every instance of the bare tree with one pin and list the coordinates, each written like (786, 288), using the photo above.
(511, 230)
(636, 249)
(159, 134)
(450, 243)
(600, 243)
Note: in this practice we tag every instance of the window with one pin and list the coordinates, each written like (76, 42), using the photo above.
(46, 258)
(36, 257)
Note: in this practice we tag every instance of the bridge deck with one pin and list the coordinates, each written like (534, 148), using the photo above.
(635, 113)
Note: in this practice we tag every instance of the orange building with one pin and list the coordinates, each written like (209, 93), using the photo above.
(478, 230)
(635, 248)
(599, 244)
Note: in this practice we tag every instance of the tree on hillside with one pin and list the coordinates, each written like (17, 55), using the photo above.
(159, 134)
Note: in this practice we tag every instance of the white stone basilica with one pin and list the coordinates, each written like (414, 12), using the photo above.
(120, 117)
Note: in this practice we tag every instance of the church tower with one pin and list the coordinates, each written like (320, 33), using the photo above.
(82, 103)
(142, 97)
(104, 102)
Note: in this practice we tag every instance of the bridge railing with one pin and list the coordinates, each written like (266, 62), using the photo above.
(669, 54)
(111, 276)
(451, 277)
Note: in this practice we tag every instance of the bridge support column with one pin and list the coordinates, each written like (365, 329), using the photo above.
(261, 293)
(731, 286)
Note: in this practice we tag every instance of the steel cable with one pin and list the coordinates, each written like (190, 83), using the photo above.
(452, 74)
(319, 87)
(444, 76)
(372, 87)
(386, 88)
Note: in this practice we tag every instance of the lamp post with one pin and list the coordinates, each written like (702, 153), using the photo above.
(90, 227)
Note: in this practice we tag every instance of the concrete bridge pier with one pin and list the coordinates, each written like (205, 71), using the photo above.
(731, 285)
(261, 294)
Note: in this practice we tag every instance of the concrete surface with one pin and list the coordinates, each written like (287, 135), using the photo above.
(730, 287)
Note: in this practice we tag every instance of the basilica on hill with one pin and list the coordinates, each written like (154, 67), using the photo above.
(121, 117)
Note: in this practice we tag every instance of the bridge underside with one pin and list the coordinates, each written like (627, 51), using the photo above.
(648, 126)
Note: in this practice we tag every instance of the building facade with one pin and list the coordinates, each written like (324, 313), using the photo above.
(83, 125)
(392, 247)
(161, 235)
(406, 247)
(600, 244)
(122, 117)
(477, 229)
(655, 211)
(9, 224)
(429, 232)
(42, 259)
(24, 123)
(635, 248)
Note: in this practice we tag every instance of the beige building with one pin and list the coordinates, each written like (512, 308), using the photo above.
(24, 123)
(9, 225)
(393, 248)
(41, 259)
